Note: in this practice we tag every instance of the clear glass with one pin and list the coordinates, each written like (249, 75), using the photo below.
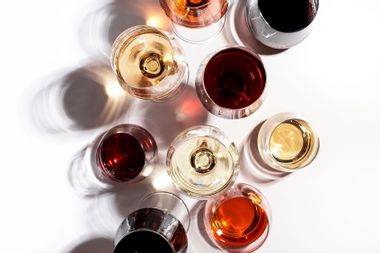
(125, 153)
(196, 20)
(149, 63)
(281, 24)
(202, 161)
(158, 225)
(287, 143)
(234, 90)
(238, 220)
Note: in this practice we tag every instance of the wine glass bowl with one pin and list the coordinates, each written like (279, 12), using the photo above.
(158, 225)
(231, 82)
(149, 63)
(238, 220)
(287, 143)
(196, 20)
(125, 153)
(202, 161)
(281, 24)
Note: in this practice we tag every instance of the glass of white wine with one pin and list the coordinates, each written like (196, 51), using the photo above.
(286, 142)
(149, 63)
(202, 162)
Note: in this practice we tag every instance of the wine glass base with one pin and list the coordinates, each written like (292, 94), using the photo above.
(198, 35)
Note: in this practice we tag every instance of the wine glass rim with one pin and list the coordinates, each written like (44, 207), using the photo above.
(200, 80)
(188, 219)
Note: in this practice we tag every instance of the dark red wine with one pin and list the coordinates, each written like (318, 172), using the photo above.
(288, 16)
(122, 157)
(143, 242)
(234, 78)
(151, 230)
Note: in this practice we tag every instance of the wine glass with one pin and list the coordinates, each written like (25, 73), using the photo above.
(149, 63)
(287, 143)
(125, 153)
(238, 220)
(196, 20)
(159, 224)
(281, 24)
(202, 161)
(231, 82)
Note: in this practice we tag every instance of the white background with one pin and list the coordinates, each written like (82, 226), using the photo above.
(54, 62)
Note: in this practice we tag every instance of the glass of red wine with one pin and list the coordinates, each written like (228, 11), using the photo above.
(281, 24)
(159, 224)
(239, 219)
(125, 153)
(231, 82)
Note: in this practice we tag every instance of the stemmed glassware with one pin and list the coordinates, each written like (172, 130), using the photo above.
(159, 224)
(231, 82)
(238, 220)
(287, 143)
(149, 63)
(202, 161)
(196, 20)
(281, 24)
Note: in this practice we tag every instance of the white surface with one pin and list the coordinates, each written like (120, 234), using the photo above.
(332, 78)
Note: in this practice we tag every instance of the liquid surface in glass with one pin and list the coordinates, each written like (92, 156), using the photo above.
(239, 221)
(194, 13)
(234, 78)
(202, 166)
(145, 59)
(291, 142)
(122, 157)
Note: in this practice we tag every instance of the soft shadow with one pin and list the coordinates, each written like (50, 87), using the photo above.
(101, 27)
(238, 32)
(94, 245)
(107, 211)
(200, 238)
(253, 166)
(83, 99)
(165, 120)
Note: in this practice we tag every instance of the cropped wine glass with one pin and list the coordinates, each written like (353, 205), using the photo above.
(125, 153)
(159, 224)
(281, 24)
(287, 143)
(231, 82)
(239, 219)
(196, 20)
(202, 161)
(149, 63)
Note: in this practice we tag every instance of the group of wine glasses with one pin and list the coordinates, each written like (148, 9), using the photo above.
(201, 161)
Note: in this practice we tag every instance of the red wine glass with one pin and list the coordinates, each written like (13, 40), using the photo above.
(125, 153)
(159, 224)
(231, 82)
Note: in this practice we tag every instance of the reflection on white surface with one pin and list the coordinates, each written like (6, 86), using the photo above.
(114, 90)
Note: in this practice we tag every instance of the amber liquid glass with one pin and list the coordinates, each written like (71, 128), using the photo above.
(239, 219)
(196, 20)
